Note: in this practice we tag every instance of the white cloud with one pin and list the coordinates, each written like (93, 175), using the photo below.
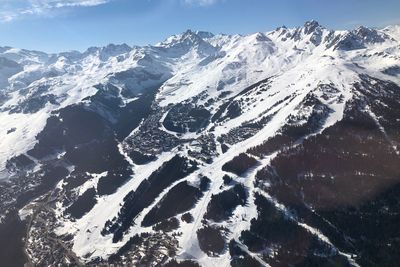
(201, 2)
(14, 9)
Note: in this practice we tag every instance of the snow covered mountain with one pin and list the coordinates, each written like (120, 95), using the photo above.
(271, 149)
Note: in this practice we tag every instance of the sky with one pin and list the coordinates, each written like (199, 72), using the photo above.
(63, 25)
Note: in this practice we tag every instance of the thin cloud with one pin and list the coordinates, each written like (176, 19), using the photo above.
(201, 2)
(14, 9)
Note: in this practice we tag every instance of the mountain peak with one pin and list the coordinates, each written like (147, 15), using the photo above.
(108, 51)
(188, 32)
(195, 34)
(187, 36)
(311, 23)
(370, 35)
(311, 26)
(204, 34)
(261, 37)
(188, 40)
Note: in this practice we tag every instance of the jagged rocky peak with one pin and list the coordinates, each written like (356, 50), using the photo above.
(313, 29)
(117, 48)
(281, 28)
(189, 40)
(311, 26)
(370, 35)
(189, 37)
(192, 38)
(204, 34)
(261, 37)
(110, 50)
(178, 38)
(281, 31)
(358, 39)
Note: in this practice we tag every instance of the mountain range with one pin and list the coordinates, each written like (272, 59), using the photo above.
(278, 148)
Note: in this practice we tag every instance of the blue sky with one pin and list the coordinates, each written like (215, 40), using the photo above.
(60, 25)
